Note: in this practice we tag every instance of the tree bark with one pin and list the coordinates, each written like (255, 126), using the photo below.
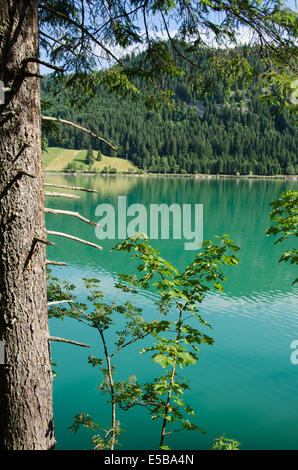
(26, 411)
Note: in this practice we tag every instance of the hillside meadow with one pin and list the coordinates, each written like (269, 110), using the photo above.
(59, 159)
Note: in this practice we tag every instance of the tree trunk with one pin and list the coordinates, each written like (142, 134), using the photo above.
(26, 412)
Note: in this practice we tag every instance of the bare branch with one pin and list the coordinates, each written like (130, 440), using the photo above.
(73, 214)
(57, 263)
(24, 146)
(34, 75)
(56, 302)
(74, 188)
(175, 430)
(66, 235)
(22, 172)
(69, 123)
(7, 117)
(34, 243)
(46, 64)
(69, 341)
(46, 242)
(70, 196)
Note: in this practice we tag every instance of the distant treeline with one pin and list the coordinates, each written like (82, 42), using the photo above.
(214, 134)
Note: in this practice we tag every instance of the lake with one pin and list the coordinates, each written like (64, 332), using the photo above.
(245, 384)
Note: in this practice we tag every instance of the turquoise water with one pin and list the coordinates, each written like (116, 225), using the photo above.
(245, 384)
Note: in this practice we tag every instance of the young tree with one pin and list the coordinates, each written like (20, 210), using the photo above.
(79, 37)
(176, 328)
(180, 293)
(90, 156)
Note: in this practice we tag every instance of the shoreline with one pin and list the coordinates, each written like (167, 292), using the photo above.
(174, 175)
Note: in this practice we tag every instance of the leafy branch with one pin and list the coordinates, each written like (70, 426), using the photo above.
(284, 215)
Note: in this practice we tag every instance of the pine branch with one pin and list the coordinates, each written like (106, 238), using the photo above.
(122, 15)
(66, 235)
(58, 13)
(57, 41)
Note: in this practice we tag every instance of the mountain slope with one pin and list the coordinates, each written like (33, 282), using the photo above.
(214, 134)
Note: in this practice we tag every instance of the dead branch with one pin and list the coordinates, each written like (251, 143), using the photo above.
(34, 75)
(24, 146)
(73, 214)
(74, 188)
(57, 263)
(22, 172)
(34, 243)
(41, 62)
(69, 123)
(70, 196)
(56, 302)
(69, 341)
(41, 240)
(66, 235)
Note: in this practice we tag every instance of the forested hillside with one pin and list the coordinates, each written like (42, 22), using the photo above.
(218, 133)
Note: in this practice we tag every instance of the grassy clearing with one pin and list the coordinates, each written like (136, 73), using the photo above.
(50, 155)
(58, 159)
(118, 163)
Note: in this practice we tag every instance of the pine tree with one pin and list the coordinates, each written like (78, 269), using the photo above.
(90, 156)
(70, 33)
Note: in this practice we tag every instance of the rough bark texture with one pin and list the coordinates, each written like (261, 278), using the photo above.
(26, 419)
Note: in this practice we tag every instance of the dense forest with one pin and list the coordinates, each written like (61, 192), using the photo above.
(219, 133)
